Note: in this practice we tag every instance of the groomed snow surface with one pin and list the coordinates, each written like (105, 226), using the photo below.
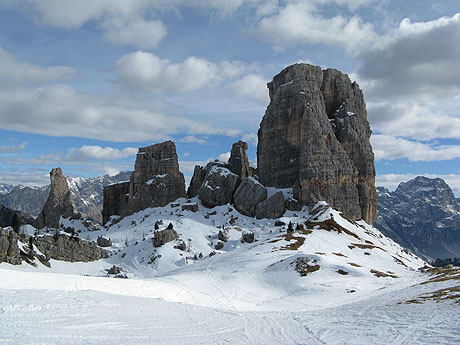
(333, 281)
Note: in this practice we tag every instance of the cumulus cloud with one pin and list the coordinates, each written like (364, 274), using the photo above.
(411, 120)
(25, 178)
(302, 22)
(97, 152)
(137, 32)
(391, 181)
(146, 71)
(252, 86)
(250, 138)
(419, 60)
(20, 147)
(390, 148)
(14, 72)
(61, 111)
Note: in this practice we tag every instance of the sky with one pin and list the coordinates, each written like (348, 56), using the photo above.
(84, 83)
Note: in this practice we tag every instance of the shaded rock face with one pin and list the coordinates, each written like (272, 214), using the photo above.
(238, 161)
(218, 186)
(115, 199)
(6, 215)
(103, 241)
(314, 137)
(248, 194)
(199, 173)
(155, 181)
(59, 202)
(422, 215)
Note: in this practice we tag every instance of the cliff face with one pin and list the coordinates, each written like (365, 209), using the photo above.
(155, 181)
(59, 202)
(314, 137)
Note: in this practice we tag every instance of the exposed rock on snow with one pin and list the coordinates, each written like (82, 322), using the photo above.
(59, 202)
(192, 207)
(272, 207)
(115, 199)
(103, 241)
(9, 250)
(248, 194)
(218, 186)
(162, 237)
(307, 140)
(6, 215)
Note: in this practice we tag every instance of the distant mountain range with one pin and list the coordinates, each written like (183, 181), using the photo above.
(87, 195)
(422, 215)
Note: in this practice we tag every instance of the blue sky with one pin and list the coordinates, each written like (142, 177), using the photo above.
(83, 84)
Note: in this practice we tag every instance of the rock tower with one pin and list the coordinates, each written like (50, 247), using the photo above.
(314, 137)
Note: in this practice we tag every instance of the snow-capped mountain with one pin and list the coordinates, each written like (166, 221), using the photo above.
(422, 215)
(87, 195)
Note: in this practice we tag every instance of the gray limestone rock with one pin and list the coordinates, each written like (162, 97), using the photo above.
(115, 199)
(59, 202)
(314, 137)
(218, 186)
(9, 250)
(238, 161)
(219, 245)
(223, 235)
(293, 205)
(248, 194)
(272, 207)
(103, 241)
(248, 237)
(199, 173)
(164, 236)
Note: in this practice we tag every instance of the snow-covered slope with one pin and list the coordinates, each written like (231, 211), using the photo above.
(332, 281)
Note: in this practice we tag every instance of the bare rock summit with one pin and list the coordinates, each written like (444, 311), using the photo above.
(314, 137)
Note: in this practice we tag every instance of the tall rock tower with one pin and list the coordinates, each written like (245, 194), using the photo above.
(314, 137)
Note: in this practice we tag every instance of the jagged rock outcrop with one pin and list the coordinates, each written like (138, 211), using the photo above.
(218, 186)
(248, 194)
(103, 241)
(116, 198)
(155, 181)
(68, 248)
(422, 215)
(238, 161)
(59, 203)
(9, 250)
(272, 207)
(314, 137)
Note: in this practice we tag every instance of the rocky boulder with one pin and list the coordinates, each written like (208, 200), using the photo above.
(272, 207)
(314, 137)
(164, 236)
(248, 194)
(103, 241)
(218, 186)
(6, 215)
(59, 203)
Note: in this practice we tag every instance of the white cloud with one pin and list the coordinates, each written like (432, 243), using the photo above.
(190, 139)
(14, 72)
(224, 157)
(250, 138)
(137, 32)
(252, 86)
(25, 178)
(418, 60)
(391, 181)
(411, 120)
(100, 153)
(61, 111)
(390, 148)
(16, 148)
(303, 23)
